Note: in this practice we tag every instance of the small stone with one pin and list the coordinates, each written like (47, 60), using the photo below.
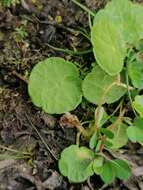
(54, 181)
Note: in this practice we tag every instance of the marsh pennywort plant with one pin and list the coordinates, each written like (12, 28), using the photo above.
(56, 86)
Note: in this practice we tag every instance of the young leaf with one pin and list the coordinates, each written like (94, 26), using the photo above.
(138, 104)
(121, 168)
(97, 164)
(102, 116)
(108, 45)
(108, 144)
(108, 173)
(93, 141)
(76, 163)
(135, 132)
(120, 136)
(55, 85)
(99, 88)
(135, 71)
(98, 146)
(108, 133)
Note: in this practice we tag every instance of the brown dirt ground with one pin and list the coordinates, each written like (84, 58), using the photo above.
(25, 162)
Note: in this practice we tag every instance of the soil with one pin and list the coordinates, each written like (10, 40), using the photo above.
(30, 140)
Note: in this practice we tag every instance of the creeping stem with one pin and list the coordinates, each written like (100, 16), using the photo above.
(84, 8)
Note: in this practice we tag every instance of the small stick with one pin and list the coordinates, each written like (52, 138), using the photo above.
(43, 141)
(20, 76)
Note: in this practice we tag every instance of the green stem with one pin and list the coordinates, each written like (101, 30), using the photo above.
(129, 93)
(84, 8)
(83, 33)
(117, 108)
(90, 22)
(70, 51)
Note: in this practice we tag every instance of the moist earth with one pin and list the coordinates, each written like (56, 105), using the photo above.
(30, 140)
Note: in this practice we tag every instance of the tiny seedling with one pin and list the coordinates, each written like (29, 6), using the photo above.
(56, 86)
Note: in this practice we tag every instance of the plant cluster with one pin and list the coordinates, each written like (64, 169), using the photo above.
(57, 87)
(8, 3)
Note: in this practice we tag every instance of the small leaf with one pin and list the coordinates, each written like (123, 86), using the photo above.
(120, 136)
(98, 146)
(108, 144)
(55, 85)
(99, 88)
(93, 141)
(76, 163)
(98, 170)
(135, 70)
(135, 132)
(102, 116)
(138, 104)
(108, 173)
(98, 161)
(122, 169)
(97, 164)
(108, 133)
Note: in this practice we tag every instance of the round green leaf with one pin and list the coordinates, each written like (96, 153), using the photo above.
(99, 88)
(121, 13)
(119, 23)
(55, 86)
(135, 132)
(135, 70)
(138, 104)
(121, 168)
(120, 136)
(138, 11)
(76, 163)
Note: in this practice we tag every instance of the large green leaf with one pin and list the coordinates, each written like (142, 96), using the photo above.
(120, 136)
(118, 24)
(55, 85)
(108, 45)
(135, 132)
(99, 88)
(138, 15)
(76, 163)
(135, 71)
(121, 13)
(128, 18)
(138, 104)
